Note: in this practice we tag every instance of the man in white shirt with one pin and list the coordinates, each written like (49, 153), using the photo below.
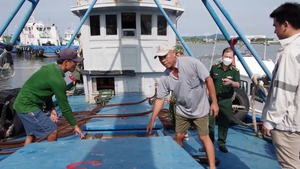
(281, 113)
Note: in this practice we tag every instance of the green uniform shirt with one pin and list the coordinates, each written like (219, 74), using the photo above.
(39, 89)
(217, 73)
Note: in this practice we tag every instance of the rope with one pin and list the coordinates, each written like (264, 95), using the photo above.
(257, 85)
(64, 129)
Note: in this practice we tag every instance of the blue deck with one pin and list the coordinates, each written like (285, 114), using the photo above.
(117, 153)
(124, 123)
(246, 151)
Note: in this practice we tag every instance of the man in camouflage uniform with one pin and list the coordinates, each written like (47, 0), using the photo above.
(226, 77)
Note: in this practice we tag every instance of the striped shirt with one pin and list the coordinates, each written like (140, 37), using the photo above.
(282, 110)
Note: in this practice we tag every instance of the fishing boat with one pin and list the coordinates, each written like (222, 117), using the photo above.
(39, 39)
(120, 77)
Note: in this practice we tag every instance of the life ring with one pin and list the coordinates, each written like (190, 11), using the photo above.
(57, 51)
(15, 126)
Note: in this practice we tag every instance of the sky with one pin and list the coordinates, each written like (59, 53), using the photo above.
(251, 16)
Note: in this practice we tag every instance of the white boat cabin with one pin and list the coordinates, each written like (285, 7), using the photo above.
(36, 33)
(120, 39)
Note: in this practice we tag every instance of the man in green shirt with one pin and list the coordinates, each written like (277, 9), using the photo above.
(226, 77)
(39, 89)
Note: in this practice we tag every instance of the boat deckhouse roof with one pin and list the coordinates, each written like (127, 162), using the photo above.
(83, 5)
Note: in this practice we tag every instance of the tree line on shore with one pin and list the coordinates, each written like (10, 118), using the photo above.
(195, 39)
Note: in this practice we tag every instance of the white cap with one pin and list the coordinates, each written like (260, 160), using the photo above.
(163, 49)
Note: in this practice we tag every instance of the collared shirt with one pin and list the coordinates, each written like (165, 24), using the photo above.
(218, 73)
(189, 89)
(281, 110)
(39, 89)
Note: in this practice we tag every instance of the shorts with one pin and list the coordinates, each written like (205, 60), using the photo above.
(200, 124)
(37, 123)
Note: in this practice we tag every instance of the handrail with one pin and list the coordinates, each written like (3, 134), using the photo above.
(174, 29)
(24, 21)
(11, 17)
(81, 23)
(241, 36)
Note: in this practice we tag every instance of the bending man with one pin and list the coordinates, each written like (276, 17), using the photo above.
(39, 89)
(186, 77)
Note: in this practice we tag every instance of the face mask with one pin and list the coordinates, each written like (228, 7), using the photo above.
(227, 61)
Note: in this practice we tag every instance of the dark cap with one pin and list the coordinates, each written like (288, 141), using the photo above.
(70, 54)
(9, 47)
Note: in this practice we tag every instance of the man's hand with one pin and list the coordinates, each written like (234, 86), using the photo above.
(265, 131)
(149, 127)
(53, 115)
(214, 109)
(227, 81)
(78, 130)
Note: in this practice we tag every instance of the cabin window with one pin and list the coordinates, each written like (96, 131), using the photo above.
(146, 24)
(128, 24)
(105, 83)
(161, 25)
(111, 24)
(95, 25)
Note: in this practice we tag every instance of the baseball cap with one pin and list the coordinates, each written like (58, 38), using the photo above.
(70, 54)
(163, 49)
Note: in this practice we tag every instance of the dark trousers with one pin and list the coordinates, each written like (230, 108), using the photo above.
(223, 118)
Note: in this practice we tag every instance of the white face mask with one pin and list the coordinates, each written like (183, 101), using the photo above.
(227, 61)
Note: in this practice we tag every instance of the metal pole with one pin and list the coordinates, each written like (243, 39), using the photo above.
(81, 23)
(226, 35)
(174, 29)
(23, 22)
(241, 35)
(10, 18)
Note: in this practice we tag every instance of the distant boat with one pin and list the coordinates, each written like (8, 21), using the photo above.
(39, 39)
(37, 33)
(67, 36)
